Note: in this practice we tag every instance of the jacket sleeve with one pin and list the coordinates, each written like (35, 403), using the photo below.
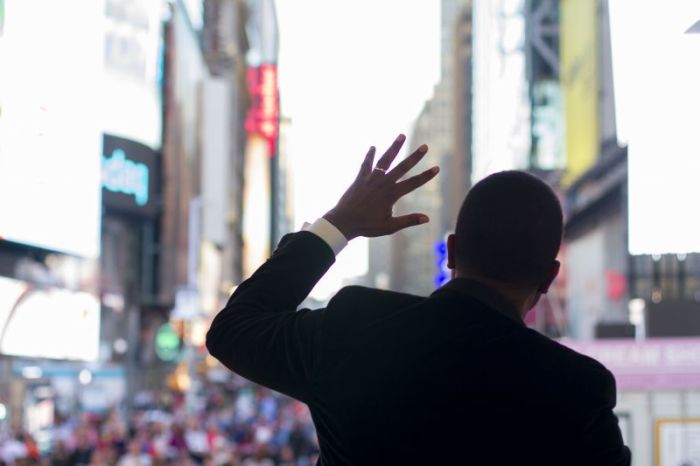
(259, 334)
(601, 442)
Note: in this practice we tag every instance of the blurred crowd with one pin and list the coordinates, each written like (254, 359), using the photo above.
(234, 425)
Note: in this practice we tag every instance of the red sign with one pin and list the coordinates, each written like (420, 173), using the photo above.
(263, 115)
(617, 284)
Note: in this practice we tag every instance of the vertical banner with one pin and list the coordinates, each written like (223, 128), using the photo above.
(579, 56)
(263, 114)
(256, 204)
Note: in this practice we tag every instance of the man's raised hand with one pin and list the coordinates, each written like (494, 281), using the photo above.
(366, 207)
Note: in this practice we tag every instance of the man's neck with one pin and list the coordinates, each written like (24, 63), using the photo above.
(520, 299)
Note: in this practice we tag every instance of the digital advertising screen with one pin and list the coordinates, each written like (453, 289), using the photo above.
(51, 56)
(501, 107)
(131, 101)
(23, 304)
(656, 69)
(129, 176)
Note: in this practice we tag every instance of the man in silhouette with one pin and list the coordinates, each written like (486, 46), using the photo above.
(452, 378)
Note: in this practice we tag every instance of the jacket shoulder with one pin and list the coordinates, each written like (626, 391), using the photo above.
(579, 372)
(362, 302)
(565, 354)
(355, 308)
(354, 293)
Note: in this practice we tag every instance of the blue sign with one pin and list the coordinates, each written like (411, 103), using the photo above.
(121, 175)
(443, 274)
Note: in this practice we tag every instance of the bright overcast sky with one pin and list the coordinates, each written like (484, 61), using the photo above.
(352, 74)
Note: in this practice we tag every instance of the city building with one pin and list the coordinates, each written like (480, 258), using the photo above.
(444, 125)
(131, 182)
(412, 266)
(631, 280)
(225, 45)
(263, 189)
(458, 173)
(285, 190)
(501, 104)
(86, 263)
(595, 177)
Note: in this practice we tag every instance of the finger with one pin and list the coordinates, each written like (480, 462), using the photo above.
(406, 186)
(405, 221)
(391, 152)
(409, 162)
(368, 163)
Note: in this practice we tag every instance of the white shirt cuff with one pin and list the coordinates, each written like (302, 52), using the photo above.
(328, 233)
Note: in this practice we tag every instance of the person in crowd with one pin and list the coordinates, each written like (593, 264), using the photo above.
(100, 457)
(158, 429)
(177, 443)
(82, 451)
(13, 449)
(196, 440)
(286, 457)
(452, 378)
(299, 441)
(59, 454)
(158, 441)
(261, 457)
(134, 456)
(31, 446)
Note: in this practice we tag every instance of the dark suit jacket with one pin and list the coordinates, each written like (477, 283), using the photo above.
(391, 378)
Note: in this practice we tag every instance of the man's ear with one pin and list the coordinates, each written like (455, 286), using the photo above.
(451, 251)
(553, 272)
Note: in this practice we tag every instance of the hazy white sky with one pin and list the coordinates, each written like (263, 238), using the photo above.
(352, 74)
(657, 115)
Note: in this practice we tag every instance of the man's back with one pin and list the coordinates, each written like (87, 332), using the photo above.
(455, 378)
(410, 380)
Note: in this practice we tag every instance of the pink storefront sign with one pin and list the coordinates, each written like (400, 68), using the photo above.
(655, 364)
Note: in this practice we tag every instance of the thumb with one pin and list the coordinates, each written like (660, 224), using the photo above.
(405, 221)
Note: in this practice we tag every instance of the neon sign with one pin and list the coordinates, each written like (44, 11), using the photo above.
(121, 175)
(263, 115)
(443, 272)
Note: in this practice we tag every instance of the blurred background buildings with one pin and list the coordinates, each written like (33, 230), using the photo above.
(176, 180)
(178, 194)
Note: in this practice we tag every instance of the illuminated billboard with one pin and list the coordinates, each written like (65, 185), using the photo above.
(657, 97)
(256, 204)
(578, 50)
(548, 125)
(23, 305)
(128, 176)
(132, 70)
(501, 103)
(49, 134)
(263, 114)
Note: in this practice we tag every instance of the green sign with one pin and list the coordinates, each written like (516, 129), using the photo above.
(167, 343)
